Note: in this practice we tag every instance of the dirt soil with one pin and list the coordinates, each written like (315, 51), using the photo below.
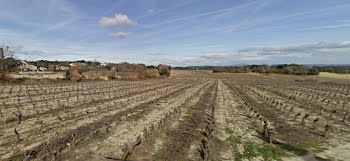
(193, 115)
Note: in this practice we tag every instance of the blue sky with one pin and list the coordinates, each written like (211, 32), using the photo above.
(179, 33)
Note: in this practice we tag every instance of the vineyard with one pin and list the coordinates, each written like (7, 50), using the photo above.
(193, 115)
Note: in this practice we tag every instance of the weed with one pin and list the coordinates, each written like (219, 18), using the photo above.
(236, 140)
(267, 151)
(228, 131)
(249, 152)
(16, 158)
(97, 134)
(312, 143)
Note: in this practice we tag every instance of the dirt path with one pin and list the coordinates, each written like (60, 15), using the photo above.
(232, 127)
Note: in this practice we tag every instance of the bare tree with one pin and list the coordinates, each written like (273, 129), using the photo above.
(5, 53)
(8, 52)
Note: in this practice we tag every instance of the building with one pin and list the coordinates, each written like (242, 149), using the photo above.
(27, 68)
(76, 64)
(104, 64)
(22, 62)
(59, 67)
(42, 69)
(52, 67)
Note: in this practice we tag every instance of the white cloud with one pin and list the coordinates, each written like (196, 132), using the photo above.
(321, 52)
(328, 27)
(64, 9)
(227, 57)
(207, 58)
(216, 14)
(150, 11)
(120, 34)
(299, 49)
(310, 53)
(119, 20)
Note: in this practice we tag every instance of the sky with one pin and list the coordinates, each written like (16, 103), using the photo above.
(178, 32)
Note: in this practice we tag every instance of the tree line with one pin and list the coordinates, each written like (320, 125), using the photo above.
(293, 69)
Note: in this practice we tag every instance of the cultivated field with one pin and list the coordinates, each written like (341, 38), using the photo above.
(334, 75)
(194, 115)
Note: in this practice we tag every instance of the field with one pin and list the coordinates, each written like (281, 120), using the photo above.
(194, 115)
(334, 75)
(40, 75)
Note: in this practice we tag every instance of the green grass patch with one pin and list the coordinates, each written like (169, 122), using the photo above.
(266, 151)
(295, 150)
(308, 142)
(249, 152)
(97, 134)
(312, 143)
(16, 158)
(236, 140)
(228, 131)
(302, 143)
(269, 152)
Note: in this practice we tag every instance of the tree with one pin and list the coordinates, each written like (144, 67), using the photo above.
(108, 67)
(67, 75)
(164, 72)
(314, 71)
(6, 52)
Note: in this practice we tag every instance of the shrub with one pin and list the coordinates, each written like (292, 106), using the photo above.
(5, 76)
(75, 76)
(280, 69)
(108, 67)
(111, 77)
(314, 71)
(164, 72)
(93, 75)
(67, 75)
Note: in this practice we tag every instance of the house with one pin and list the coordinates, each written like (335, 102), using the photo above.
(59, 67)
(76, 64)
(104, 64)
(72, 64)
(26, 68)
(42, 69)
(22, 62)
(52, 67)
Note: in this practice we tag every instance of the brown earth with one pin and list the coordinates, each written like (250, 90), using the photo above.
(194, 115)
